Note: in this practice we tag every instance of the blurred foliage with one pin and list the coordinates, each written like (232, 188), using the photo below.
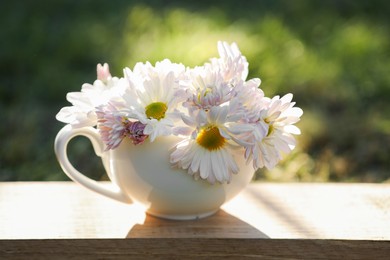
(334, 56)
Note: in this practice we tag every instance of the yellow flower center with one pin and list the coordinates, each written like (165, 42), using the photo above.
(210, 138)
(156, 110)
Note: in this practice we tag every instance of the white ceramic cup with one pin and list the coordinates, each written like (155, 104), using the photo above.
(144, 174)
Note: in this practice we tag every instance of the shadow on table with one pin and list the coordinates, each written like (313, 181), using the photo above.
(220, 225)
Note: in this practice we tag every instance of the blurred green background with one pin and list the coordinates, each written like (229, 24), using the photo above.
(334, 56)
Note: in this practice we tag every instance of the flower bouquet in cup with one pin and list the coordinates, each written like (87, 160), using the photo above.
(217, 118)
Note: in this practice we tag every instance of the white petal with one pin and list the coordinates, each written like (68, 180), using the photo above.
(213, 114)
(196, 161)
(224, 133)
(188, 120)
(287, 98)
(211, 179)
(201, 118)
(240, 128)
(205, 165)
(282, 145)
(182, 131)
(296, 111)
(253, 83)
(292, 129)
(217, 169)
(222, 115)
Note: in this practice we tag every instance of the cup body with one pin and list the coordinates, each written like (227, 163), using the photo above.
(143, 173)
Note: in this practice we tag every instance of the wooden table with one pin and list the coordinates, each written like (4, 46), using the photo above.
(331, 221)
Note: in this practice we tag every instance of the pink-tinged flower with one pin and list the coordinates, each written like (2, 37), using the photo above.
(135, 131)
(232, 65)
(274, 130)
(219, 82)
(206, 89)
(208, 151)
(113, 127)
(248, 93)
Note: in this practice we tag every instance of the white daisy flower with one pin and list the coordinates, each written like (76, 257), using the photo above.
(274, 130)
(82, 113)
(208, 152)
(151, 97)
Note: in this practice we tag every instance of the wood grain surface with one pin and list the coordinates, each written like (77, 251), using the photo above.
(193, 248)
(220, 225)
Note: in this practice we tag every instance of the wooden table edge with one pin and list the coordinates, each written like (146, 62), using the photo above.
(194, 248)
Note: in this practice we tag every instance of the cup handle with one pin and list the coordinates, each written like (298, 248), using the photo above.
(60, 146)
